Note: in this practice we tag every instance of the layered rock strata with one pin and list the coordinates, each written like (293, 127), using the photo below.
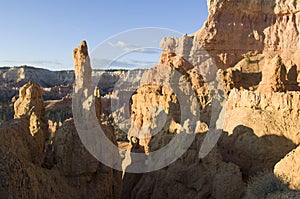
(258, 27)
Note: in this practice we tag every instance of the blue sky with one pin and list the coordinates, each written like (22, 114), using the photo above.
(44, 33)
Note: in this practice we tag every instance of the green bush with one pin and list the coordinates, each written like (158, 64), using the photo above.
(248, 59)
(119, 133)
(263, 183)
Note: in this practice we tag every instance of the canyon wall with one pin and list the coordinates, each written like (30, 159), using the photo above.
(236, 28)
(255, 45)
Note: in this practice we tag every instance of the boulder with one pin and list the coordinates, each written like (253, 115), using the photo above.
(288, 169)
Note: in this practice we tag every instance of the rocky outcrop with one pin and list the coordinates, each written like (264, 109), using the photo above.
(30, 100)
(186, 53)
(186, 67)
(260, 70)
(80, 168)
(30, 104)
(273, 76)
(168, 97)
(270, 107)
(258, 26)
(168, 91)
(67, 177)
(258, 134)
(264, 73)
(17, 138)
(70, 143)
(262, 54)
(287, 169)
(153, 108)
(190, 177)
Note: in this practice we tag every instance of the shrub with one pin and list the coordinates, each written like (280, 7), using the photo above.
(260, 185)
(248, 59)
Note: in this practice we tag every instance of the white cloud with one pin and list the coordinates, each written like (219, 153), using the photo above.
(125, 46)
(128, 47)
(148, 50)
(124, 64)
(38, 62)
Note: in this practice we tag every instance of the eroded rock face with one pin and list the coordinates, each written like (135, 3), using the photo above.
(83, 70)
(270, 107)
(258, 26)
(71, 156)
(187, 54)
(151, 107)
(287, 169)
(15, 181)
(30, 104)
(30, 107)
(273, 76)
(17, 138)
(186, 67)
(260, 69)
(261, 128)
(190, 177)
(83, 170)
(171, 89)
(69, 178)
(179, 89)
(69, 148)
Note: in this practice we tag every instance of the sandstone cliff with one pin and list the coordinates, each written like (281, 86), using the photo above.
(30, 104)
(236, 28)
(256, 44)
(288, 169)
(168, 103)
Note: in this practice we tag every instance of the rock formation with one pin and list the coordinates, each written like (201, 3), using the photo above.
(273, 76)
(261, 83)
(17, 138)
(69, 144)
(32, 170)
(259, 73)
(171, 92)
(190, 177)
(153, 106)
(262, 108)
(30, 104)
(270, 106)
(80, 168)
(258, 26)
(288, 169)
(186, 67)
